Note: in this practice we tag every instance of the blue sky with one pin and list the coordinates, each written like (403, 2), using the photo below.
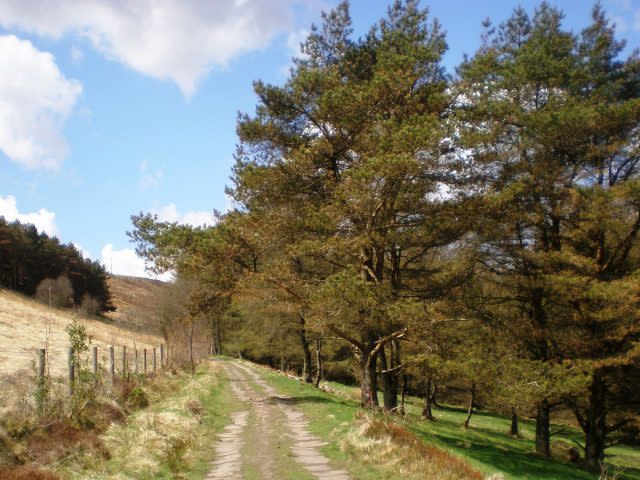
(109, 107)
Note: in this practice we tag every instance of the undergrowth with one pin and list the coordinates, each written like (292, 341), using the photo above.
(170, 439)
(383, 442)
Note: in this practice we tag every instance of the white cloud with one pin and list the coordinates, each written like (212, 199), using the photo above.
(178, 40)
(85, 253)
(196, 218)
(126, 262)
(35, 100)
(44, 220)
(294, 39)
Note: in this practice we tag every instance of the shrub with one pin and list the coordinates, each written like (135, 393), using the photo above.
(132, 394)
(18, 426)
(58, 291)
(564, 452)
(195, 408)
(138, 398)
(90, 307)
(58, 440)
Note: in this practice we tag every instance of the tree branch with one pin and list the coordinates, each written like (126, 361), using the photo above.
(345, 336)
(383, 341)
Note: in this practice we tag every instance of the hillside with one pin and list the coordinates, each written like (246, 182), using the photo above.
(134, 299)
(26, 326)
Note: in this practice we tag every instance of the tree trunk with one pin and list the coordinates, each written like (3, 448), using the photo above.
(306, 351)
(472, 402)
(389, 386)
(595, 421)
(316, 381)
(368, 380)
(404, 393)
(514, 423)
(427, 414)
(396, 367)
(543, 427)
(217, 347)
(434, 394)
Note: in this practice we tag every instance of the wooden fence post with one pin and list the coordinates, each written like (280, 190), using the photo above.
(41, 366)
(41, 387)
(154, 360)
(94, 363)
(144, 360)
(124, 362)
(112, 364)
(162, 356)
(71, 370)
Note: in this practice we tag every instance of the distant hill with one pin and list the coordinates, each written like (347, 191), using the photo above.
(135, 300)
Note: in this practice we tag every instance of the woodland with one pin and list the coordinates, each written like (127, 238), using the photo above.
(35, 264)
(468, 236)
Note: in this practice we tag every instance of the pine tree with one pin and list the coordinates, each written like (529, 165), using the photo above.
(350, 148)
(550, 119)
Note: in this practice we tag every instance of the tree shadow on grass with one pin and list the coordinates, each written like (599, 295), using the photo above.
(514, 456)
(297, 400)
(519, 464)
(628, 473)
(503, 453)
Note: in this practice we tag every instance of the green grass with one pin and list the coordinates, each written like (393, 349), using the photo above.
(218, 403)
(488, 447)
(485, 445)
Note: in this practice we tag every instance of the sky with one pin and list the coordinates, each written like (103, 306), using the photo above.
(109, 108)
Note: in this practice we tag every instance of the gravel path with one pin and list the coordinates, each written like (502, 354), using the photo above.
(268, 438)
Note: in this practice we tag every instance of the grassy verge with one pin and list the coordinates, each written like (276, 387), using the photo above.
(486, 445)
(172, 438)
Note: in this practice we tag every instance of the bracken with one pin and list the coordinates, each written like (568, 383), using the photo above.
(391, 446)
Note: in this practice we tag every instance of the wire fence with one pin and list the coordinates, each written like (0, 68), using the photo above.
(56, 361)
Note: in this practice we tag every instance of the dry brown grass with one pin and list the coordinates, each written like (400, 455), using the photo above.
(156, 437)
(134, 298)
(387, 444)
(26, 472)
(26, 326)
(59, 440)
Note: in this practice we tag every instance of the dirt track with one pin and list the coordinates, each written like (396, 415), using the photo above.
(268, 438)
